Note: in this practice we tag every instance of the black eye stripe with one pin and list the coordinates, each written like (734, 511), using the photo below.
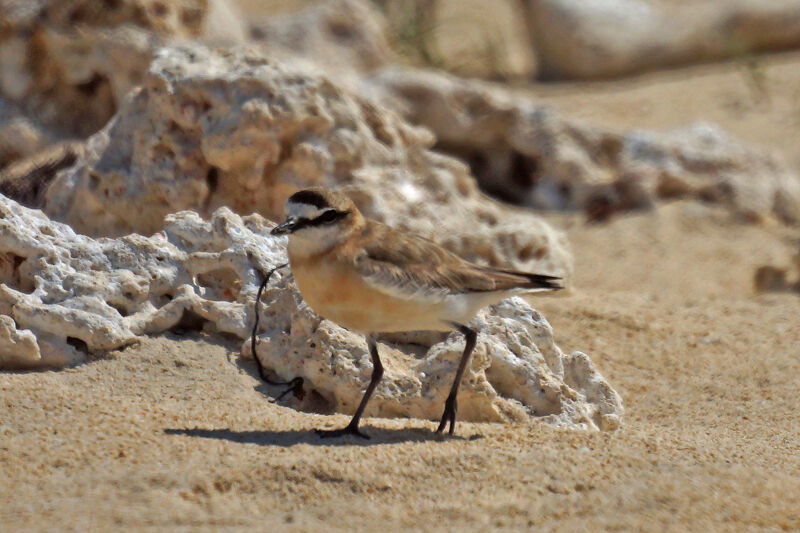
(328, 217)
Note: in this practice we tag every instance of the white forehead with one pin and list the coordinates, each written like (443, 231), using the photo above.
(301, 210)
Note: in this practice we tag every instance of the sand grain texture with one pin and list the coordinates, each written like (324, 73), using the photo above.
(177, 432)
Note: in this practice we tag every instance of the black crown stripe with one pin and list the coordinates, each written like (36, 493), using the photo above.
(310, 198)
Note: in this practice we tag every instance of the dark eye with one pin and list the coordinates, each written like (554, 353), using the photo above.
(329, 216)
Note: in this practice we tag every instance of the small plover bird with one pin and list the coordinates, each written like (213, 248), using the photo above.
(371, 278)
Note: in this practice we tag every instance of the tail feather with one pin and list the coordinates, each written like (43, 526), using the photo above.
(512, 279)
(542, 281)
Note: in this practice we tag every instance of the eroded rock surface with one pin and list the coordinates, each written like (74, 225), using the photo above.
(63, 295)
(213, 128)
(71, 62)
(576, 39)
(341, 36)
(79, 295)
(529, 154)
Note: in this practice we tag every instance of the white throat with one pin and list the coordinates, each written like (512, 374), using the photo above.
(314, 240)
(307, 242)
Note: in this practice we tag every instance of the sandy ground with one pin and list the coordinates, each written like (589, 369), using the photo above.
(756, 99)
(178, 434)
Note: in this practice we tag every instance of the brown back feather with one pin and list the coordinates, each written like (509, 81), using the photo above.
(414, 264)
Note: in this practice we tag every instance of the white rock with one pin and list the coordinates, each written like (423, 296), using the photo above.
(577, 39)
(17, 348)
(340, 36)
(213, 128)
(73, 291)
(76, 294)
(529, 154)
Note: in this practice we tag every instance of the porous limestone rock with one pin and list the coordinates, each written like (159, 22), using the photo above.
(78, 295)
(63, 295)
(529, 154)
(340, 36)
(16, 347)
(212, 128)
(579, 39)
(70, 62)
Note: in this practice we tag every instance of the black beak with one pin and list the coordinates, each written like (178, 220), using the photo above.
(285, 228)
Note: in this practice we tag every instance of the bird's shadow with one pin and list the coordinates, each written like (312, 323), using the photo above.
(291, 438)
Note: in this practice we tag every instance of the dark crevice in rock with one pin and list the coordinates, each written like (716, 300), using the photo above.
(121, 309)
(190, 321)
(510, 178)
(78, 344)
(11, 266)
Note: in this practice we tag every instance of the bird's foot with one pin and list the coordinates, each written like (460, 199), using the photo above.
(351, 429)
(449, 415)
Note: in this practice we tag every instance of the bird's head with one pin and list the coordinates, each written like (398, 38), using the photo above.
(317, 219)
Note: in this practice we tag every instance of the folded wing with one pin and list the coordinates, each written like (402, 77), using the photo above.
(408, 264)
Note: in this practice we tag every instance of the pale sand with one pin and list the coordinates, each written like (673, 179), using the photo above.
(709, 373)
(755, 99)
(664, 306)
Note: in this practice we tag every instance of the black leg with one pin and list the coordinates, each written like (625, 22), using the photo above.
(295, 385)
(451, 405)
(377, 374)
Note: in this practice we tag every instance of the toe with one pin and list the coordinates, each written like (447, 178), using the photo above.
(332, 433)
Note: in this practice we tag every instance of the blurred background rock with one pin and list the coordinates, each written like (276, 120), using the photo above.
(66, 67)
(646, 150)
